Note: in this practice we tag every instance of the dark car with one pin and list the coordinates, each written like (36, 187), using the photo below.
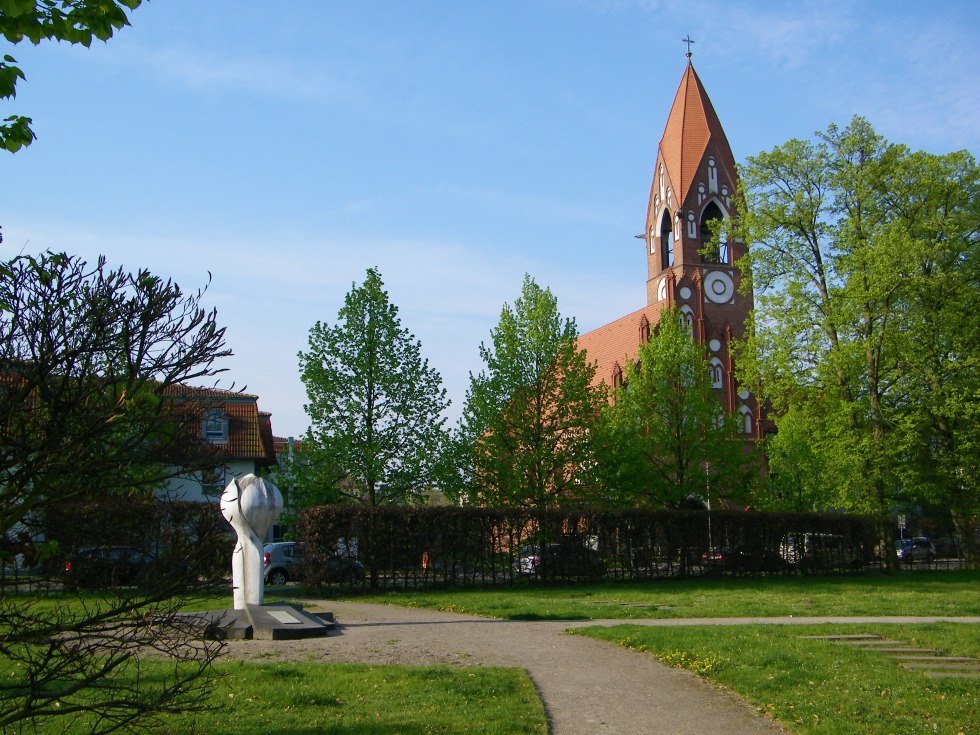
(725, 556)
(119, 566)
(915, 549)
(734, 558)
(551, 561)
(285, 561)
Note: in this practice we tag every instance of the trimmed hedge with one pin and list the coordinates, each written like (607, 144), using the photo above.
(193, 534)
(417, 547)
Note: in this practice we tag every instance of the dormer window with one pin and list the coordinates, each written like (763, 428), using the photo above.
(215, 426)
(617, 377)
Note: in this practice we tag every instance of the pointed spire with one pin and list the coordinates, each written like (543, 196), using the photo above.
(691, 126)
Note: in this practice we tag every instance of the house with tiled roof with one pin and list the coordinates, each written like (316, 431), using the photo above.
(694, 187)
(240, 433)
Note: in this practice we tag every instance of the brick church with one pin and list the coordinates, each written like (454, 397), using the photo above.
(694, 185)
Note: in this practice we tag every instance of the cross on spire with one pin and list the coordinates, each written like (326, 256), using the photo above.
(688, 41)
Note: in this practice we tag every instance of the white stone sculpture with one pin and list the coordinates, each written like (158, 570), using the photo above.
(251, 505)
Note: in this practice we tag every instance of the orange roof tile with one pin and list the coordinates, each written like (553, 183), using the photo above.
(181, 390)
(617, 342)
(691, 126)
(268, 440)
(245, 430)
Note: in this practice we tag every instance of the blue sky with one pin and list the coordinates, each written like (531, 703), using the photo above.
(288, 146)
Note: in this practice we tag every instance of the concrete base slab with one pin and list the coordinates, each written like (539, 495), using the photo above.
(267, 622)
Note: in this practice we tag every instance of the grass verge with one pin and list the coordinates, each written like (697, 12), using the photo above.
(302, 699)
(297, 699)
(907, 593)
(818, 687)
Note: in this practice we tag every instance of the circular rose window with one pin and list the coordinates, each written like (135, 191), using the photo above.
(718, 287)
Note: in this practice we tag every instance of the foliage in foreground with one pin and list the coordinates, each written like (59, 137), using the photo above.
(72, 21)
(525, 438)
(668, 440)
(817, 687)
(865, 263)
(90, 358)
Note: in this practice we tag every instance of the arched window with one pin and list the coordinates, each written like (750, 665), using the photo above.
(717, 372)
(666, 241)
(745, 414)
(710, 221)
(687, 317)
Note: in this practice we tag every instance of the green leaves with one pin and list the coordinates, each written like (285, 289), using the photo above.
(865, 331)
(525, 437)
(72, 21)
(667, 439)
(375, 405)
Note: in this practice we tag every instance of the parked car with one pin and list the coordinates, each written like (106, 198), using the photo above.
(820, 551)
(559, 560)
(528, 557)
(283, 559)
(726, 557)
(743, 559)
(119, 566)
(915, 549)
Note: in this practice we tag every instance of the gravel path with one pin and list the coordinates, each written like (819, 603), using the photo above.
(587, 686)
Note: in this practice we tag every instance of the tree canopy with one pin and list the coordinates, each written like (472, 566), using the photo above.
(375, 406)
(667, 439)
(526, 434)
(864, 337)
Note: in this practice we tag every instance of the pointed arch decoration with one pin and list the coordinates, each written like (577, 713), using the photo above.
(716, 370)
(666, 240)
(745, 419)
(711, 218)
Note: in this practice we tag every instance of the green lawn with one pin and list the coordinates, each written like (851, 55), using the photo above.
(811, 686)
(356, 699)
(817, 687)
(905, 593)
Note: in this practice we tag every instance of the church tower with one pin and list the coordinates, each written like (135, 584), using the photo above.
(693, 190)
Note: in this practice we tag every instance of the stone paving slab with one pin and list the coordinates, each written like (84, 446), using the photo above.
(853, 637)
(906, 650)
(927, 661)
(872, 643)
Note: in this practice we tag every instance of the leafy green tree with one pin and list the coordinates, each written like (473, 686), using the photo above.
(864, 271)
(72, 21)
(375, 406)
(526, 434)
(935, 201)
(89, 361)
(667, 440)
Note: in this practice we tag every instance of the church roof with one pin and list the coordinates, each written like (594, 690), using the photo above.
(617, 342)
(692, 126)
